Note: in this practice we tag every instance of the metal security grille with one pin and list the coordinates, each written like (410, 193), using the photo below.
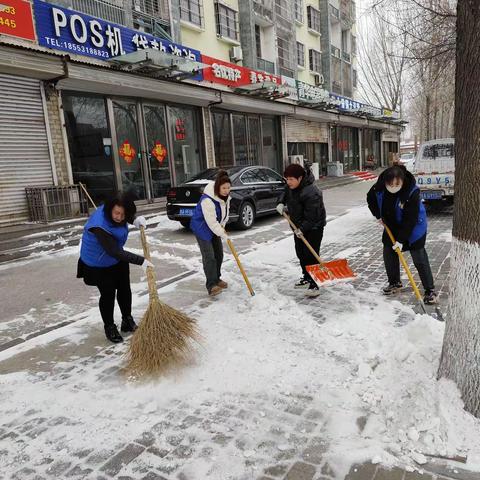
(24, 150)
(46, 204)
(112, 11)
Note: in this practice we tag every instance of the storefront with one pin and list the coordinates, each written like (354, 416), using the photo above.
(245, 139)
(309, 139)
(371, 146)
(345, 147)
(132, 145)
(390, 146)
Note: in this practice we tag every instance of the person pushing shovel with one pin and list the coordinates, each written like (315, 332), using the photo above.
(303, 202)
(395, 200)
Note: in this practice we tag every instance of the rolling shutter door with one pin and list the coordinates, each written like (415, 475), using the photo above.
(303, 131)
(24, 150)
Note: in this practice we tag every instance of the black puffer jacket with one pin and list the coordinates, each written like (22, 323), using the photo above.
(411, 204)
(305, 205)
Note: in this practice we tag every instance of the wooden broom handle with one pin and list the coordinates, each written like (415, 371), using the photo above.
(151, 278)
(305, 241)
(404, 263)
(87, 194)
(244, 274)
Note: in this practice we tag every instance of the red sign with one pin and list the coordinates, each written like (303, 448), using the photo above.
(127, 152)
(234, 75)
(180, 131)
(159, 152)
(16, 19)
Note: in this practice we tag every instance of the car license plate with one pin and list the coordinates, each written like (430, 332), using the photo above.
(186, 212)
(432, 195)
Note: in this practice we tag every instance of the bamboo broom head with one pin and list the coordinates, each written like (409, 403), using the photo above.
(162, 341)
(164, 338)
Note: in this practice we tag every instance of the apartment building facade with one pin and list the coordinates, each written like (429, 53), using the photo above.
(142, 94)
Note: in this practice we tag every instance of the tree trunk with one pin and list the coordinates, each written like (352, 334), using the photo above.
(460, 360)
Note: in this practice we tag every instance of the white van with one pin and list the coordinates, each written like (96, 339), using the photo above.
(435, 169)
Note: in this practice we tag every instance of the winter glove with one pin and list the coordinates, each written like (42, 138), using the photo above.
(397, 245)
(281, 208)
(147, 263)
(140, 222)
(298, 233)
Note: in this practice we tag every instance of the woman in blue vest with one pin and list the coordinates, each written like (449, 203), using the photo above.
(395, 199)
(208, 225)
(105, 264)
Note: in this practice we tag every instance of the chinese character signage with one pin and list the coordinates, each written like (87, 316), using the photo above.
(290, 85)
(344, 103)
(307, 92)
(16, 19)
(63, 29)
(159, 152)
(127, 152)
(234, 75)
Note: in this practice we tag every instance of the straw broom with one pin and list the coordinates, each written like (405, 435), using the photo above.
(163, 339)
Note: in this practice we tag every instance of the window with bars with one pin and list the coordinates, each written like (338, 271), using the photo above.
(315, 61)
(313, 18)
(299, 11)
(192, 11)
(227, 23)
(300, 54)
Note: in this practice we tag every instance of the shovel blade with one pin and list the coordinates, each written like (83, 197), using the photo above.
(331, 271)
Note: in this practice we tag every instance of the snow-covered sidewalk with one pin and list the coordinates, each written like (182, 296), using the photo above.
(282, 386)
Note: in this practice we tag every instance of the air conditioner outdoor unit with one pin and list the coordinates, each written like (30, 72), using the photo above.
(296, 159)
(236, 54)
(318, 79)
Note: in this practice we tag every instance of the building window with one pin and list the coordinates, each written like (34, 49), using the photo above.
(299, 11)
(227, 24)
(192, 11)
(300, 54)
(315, 61)
(283, 55)
(354, 78)
(313, 19)
(258, 41)
(281, 7)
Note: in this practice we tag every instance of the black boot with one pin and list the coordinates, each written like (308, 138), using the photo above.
(111, 332)
(128, 324)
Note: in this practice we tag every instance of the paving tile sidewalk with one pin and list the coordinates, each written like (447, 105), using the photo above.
(284, 428)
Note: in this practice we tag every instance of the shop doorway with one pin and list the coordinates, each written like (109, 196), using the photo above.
(132, 146)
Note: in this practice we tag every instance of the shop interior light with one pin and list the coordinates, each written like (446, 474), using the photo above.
(158, 63)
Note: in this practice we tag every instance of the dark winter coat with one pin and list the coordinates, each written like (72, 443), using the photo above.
(305, 205)
(411, 229)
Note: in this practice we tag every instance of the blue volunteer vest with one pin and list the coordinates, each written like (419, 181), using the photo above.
(198, 224)
(420, 228)
(92, 253)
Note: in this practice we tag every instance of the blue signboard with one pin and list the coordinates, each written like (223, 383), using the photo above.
(74, 32)
(344, 103)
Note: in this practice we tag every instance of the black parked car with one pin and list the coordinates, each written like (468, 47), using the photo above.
(255, 192)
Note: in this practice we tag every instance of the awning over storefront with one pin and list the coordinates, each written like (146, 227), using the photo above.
(96, 80)
(29, 63)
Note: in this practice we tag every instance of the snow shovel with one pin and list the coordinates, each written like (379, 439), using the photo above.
(325, 271)
(240, 266)
(410, 276)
